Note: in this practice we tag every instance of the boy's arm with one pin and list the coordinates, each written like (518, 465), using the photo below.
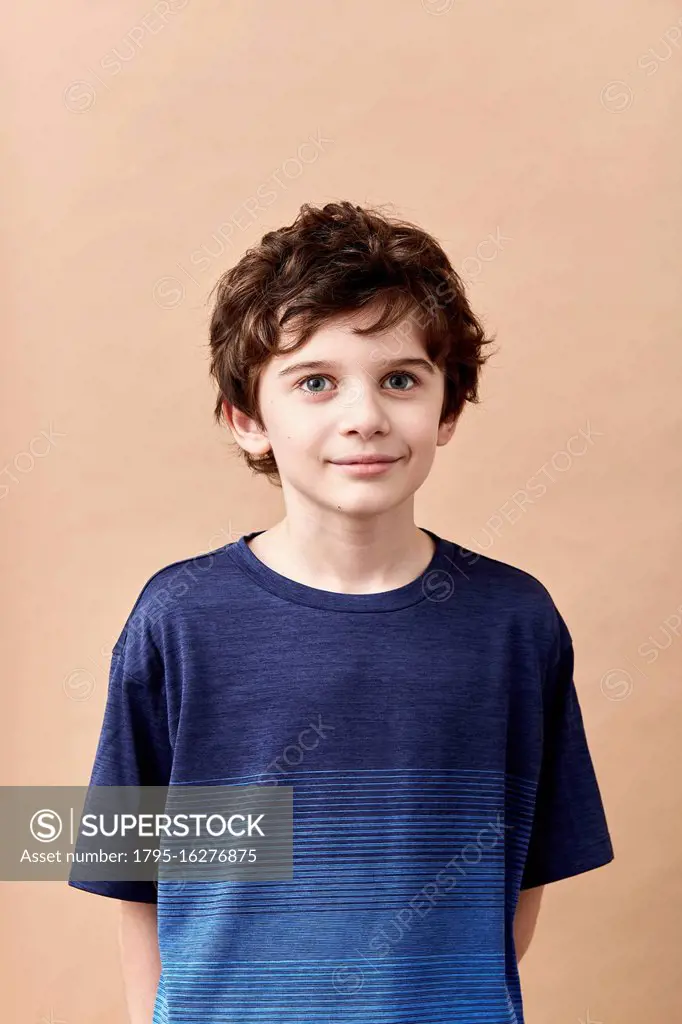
(140, 961)
(569, 832)
(525, 918)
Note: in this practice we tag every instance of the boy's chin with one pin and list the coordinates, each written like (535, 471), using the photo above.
(374, 500)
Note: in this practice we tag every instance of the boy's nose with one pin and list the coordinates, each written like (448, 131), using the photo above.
(359, 408)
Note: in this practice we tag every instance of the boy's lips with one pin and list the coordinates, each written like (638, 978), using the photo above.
(366, 466)
(354, 460)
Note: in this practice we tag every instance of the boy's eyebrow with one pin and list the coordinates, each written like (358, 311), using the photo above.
(328, 364)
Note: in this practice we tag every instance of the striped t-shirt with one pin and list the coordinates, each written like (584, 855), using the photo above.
(435, 747)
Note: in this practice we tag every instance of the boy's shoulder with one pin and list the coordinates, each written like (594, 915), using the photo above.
(176, 586)
(509, 581)
(517, 599)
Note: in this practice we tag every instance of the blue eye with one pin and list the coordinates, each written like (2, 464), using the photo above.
(401, 373)
(316, 390)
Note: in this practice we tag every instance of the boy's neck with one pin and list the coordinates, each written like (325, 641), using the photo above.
(350, 559)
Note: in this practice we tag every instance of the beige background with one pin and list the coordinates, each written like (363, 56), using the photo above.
(138, 141)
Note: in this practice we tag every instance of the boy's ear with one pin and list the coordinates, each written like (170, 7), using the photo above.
(247, 432)
(447, 428)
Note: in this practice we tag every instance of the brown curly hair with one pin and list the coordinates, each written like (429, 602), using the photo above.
(333, 261)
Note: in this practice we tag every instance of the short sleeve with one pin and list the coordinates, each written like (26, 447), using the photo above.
(569, 833)
(134, 747)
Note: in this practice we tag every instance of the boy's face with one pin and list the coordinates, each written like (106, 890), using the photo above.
(365, 395)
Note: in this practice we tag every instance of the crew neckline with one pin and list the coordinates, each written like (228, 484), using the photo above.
(434, 582)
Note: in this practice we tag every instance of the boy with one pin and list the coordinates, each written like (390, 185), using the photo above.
(418, 697)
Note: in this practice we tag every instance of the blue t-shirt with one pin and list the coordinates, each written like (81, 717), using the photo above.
(436, 749)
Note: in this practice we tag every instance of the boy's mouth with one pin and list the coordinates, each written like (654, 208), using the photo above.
(367, 465)
(363, 460)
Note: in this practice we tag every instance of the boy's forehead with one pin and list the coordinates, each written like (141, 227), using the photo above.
(336, 342)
